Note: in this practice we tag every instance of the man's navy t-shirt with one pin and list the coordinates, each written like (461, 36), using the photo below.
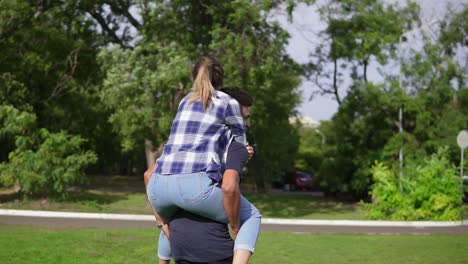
(196, 239)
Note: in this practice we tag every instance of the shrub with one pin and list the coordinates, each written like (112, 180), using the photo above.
(428, 191)
(43, 163)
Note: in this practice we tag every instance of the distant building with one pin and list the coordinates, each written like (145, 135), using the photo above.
(304, 121)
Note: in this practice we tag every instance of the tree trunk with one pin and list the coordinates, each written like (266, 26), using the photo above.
(365, 62)
(150, 153)
(258, 174)
(335, 82)
(123, 164)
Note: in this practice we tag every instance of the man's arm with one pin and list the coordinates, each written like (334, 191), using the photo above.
(159, 220)
(237, 155)
(231, 192)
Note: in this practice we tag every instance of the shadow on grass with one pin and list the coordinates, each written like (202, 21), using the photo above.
(297, 206)
(99, 198)
(117, 183)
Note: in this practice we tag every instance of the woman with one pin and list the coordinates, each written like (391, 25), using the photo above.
(190, 169)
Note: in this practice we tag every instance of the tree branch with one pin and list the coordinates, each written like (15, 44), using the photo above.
(105, 27)
(123, 9)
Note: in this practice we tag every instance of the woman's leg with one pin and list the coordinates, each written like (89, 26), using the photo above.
(158, 197)
(164, 249)
(250, 219)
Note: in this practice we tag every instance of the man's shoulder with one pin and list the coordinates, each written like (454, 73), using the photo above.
(226, 98)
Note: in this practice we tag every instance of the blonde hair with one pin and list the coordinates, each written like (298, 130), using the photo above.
(208, 75)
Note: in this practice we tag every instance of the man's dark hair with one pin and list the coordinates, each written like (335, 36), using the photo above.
(241, 95)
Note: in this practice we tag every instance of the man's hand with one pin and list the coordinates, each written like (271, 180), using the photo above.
(250, 150)
(234, 230)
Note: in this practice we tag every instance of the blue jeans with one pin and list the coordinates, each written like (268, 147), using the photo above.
(196, 193)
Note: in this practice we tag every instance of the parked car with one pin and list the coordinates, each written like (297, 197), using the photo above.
(298, 180)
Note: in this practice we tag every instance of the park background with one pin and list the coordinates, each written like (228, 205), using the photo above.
(88, 90)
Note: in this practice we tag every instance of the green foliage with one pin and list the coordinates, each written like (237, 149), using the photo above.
(14, 121)
(252, 50)
(430, 90)
(46, 165)
(355, 137)
(359, 33)
(310, 152)
(428, 191)
(48, 67)
(142, 89)
(12, 92)
(43, 163)
(59, 63)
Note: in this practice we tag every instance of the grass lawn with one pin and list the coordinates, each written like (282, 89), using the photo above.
(278, 206)
(20, 244)
(125, 195)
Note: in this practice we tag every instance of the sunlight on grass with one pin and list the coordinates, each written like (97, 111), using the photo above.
(307, 207)
(46, 245)
(279, 206)
(285, 205)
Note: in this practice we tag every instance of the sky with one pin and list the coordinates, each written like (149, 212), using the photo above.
(306, 23)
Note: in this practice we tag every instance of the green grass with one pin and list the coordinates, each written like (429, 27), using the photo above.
(20, 244)
(88, 201)
(125, 195)
(306, 207)
(278, 206)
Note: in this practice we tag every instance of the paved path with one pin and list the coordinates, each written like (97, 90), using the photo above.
(88, 220)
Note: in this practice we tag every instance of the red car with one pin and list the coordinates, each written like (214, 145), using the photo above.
(299, 180)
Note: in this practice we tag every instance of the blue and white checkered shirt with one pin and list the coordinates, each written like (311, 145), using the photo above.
(199, 138)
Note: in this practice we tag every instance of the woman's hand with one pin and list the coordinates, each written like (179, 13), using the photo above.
(165, 229)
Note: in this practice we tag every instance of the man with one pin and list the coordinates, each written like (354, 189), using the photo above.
(195, 239)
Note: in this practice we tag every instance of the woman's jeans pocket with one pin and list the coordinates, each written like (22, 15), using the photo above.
(192, 188)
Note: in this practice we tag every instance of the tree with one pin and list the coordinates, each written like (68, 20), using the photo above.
(142, 88)
(238, 34)
(48, 67)
(358, 33)
(432, 94)
(253, 51)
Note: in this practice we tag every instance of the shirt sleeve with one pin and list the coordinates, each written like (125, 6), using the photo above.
(235, 121)
(237, 156)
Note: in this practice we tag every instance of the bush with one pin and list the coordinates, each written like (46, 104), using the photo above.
(43, 163)
(428, 191)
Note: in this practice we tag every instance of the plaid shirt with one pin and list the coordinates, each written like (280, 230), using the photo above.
(199, 139)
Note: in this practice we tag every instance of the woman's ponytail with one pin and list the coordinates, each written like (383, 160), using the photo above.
(208, 75)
